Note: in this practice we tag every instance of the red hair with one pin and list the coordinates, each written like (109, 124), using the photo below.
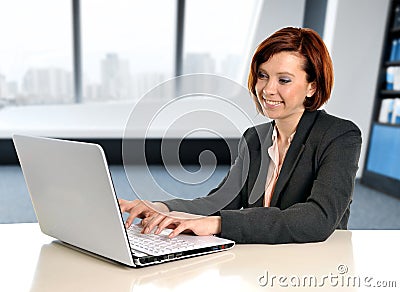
(308, 44)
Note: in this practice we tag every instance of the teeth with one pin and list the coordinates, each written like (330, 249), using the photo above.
(272, 102)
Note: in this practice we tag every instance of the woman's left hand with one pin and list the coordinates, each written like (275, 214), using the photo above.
(182, 222)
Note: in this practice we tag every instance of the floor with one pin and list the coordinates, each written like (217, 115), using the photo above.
(370, 209)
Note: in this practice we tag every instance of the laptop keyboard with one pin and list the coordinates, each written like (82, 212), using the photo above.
(160, 244)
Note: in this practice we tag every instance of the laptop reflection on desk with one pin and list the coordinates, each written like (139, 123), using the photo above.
(61, 268)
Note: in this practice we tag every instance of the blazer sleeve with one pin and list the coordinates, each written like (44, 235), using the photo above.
(230, 193)
(316, 218)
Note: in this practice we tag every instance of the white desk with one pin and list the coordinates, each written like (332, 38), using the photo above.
(33, 261)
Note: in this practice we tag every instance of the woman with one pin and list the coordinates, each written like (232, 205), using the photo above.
(293, 178)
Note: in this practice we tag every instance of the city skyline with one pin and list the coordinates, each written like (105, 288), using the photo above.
(52, 85)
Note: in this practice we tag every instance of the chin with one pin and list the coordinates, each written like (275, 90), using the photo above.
(271, 114)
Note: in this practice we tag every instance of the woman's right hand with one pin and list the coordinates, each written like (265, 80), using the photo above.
(141, 209)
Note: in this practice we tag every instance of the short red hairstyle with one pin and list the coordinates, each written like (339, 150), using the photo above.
(308, 44)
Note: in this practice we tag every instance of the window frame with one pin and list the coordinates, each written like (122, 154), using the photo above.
(77, 45)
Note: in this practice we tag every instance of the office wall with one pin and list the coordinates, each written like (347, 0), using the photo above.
(273, 16)
(355, 36)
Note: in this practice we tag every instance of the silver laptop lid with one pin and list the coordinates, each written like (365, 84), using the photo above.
(73, 196)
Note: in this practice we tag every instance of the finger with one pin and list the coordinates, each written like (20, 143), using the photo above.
(129, 221)
(125, 205)
(153, 222)
(138, 209)
(168, 222)
(144, 221)
(135, 212)
(179, 229)
(122, 204)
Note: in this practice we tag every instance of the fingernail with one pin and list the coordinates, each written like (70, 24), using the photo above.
(147, 230)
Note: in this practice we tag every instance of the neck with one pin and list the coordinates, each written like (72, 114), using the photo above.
(286, 127)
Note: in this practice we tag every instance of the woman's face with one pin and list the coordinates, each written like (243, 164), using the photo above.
(282, 86)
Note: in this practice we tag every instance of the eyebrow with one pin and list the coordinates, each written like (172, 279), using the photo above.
(286, 73)
(279, 73)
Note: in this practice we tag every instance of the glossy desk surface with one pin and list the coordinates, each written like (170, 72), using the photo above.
(347, 261)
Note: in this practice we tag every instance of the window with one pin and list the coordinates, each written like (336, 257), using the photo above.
(218, 37)
(35, 52)
(127, 47)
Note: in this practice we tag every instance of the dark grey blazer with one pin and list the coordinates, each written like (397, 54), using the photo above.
(312, 195)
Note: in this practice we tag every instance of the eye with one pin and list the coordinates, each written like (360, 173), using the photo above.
(261, 75)
(284, 80)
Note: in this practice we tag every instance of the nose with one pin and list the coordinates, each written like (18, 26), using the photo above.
(269, 88)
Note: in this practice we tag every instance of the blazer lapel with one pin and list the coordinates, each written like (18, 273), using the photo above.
(294, 152)
(259, 167)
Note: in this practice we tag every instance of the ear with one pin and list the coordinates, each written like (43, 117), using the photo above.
(311, 88)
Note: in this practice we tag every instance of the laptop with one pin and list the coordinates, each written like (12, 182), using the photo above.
(75, 202)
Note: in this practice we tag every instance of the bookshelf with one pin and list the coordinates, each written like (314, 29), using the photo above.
(382, 167)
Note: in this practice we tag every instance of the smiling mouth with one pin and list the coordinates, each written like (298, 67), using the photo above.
(270, 102)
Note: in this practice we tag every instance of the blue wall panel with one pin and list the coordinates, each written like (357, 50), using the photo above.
(384, 152)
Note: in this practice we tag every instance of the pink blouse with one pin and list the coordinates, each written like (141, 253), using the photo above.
(274, 167)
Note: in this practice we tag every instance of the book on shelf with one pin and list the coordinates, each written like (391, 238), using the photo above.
(390, 111)
(393, 78)
(396, 112)
(390, 78)
(393, 50)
